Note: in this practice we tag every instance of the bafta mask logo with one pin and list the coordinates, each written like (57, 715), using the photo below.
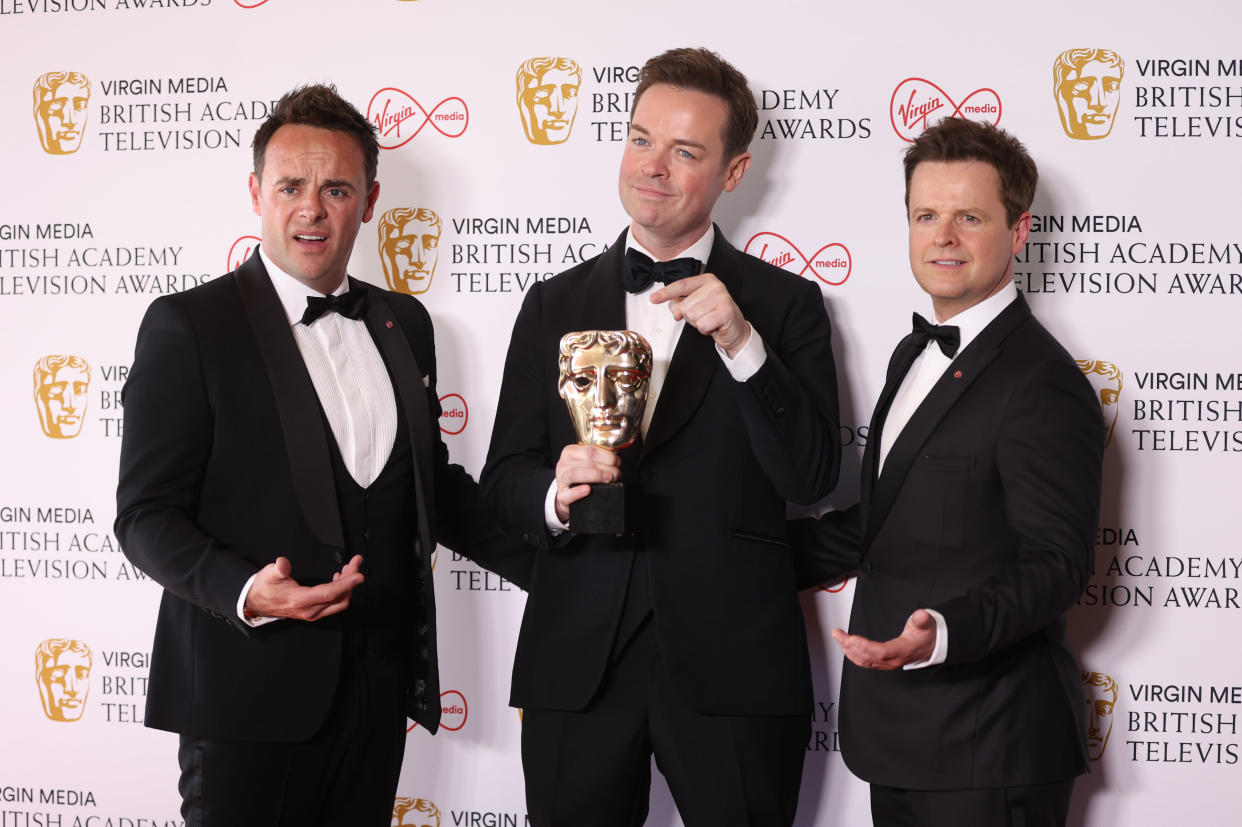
(547, 97)
(60, 100)
(1101, 692)
(1087, 88)
(420, 812)
(63, 672)
(60, 388)
(409, 247)
(1105, 378)
(604, 376)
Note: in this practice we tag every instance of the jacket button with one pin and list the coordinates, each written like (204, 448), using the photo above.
(866, 567)
(338, 557)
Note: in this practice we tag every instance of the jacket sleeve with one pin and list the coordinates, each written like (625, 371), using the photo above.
(165, 448)
(1049, 457)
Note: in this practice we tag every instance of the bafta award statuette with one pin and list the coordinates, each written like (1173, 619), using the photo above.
(604, 375)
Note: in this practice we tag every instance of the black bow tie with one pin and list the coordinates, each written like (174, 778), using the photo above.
(639, 272)
(947, 336)
(351, 305)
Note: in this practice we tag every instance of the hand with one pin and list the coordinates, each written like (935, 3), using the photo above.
(579, 466)
(274, 592)
(915, 644)
(705, 303)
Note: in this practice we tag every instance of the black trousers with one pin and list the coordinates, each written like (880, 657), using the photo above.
(345, 776)
(594, 767)
(1040, 805)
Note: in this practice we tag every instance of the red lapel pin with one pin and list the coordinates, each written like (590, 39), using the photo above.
(388, 324)
(957, 374)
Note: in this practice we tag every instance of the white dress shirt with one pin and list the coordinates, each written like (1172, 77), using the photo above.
(350, 380)
(922, 376)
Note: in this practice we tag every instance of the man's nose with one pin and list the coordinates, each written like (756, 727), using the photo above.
(310, 205)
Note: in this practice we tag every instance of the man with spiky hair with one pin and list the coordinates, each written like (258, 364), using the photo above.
(960, 696)
(683, 638)
(283, 478)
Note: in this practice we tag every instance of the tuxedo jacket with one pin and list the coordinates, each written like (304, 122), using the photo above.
(986, 511)
(226, 465)
(710, 481)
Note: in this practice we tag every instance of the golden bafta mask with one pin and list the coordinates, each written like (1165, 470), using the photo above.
(547, 97)
(409, 247)
(604, 375)
(1087, 87)
(61, 384)
(60, 108)
(1101, 693)
(63, 672)
(1105, 378)
(422, 813)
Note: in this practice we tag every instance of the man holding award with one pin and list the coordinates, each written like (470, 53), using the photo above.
(667, 623)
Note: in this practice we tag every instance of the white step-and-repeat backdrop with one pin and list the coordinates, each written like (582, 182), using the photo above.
(126, 127)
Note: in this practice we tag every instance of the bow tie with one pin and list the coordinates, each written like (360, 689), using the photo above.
(948, 337)
(351, 305)
(639, 272)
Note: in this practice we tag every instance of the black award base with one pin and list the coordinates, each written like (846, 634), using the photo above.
(600, 512)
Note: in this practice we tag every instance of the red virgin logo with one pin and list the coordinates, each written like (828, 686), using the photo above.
(453, 711)
(241, 250)
(917, 103)
(453, 414)
(399, 117)
(831, 264)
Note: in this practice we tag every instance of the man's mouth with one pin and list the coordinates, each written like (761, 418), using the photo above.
(310, 237)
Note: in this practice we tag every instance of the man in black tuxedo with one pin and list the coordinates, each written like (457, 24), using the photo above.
(976, 526)
(283, 478)
(684, 636)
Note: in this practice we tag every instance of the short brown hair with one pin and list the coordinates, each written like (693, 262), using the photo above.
(961, 139)
(319, 105)
(702, 70)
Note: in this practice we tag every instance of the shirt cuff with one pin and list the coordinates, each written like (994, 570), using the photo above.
(941, 650)
(748, 360)
(252, 622)
(549, 512)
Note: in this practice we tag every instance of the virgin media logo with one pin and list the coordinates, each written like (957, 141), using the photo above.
(240, 251)
(917, 103)
(250, 5)
(831, 263)
(453, 711)
(454, 414)
(399, 117)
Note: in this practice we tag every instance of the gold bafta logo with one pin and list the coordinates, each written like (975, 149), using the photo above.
(60, 388)
(63, 672)
(60, 100)
(425, 814)
(1087, 88)
(1101, 692)
(1105, 378)
(547, 98)
(409, 247)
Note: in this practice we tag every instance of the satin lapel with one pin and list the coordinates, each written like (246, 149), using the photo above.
(412, 394)
(903, 356)
(301, 423)
(958, 377)
(695, 360)
(603, 300)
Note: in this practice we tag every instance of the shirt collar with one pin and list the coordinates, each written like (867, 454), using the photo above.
(701, 249)
(291, 292)
(971, 321)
